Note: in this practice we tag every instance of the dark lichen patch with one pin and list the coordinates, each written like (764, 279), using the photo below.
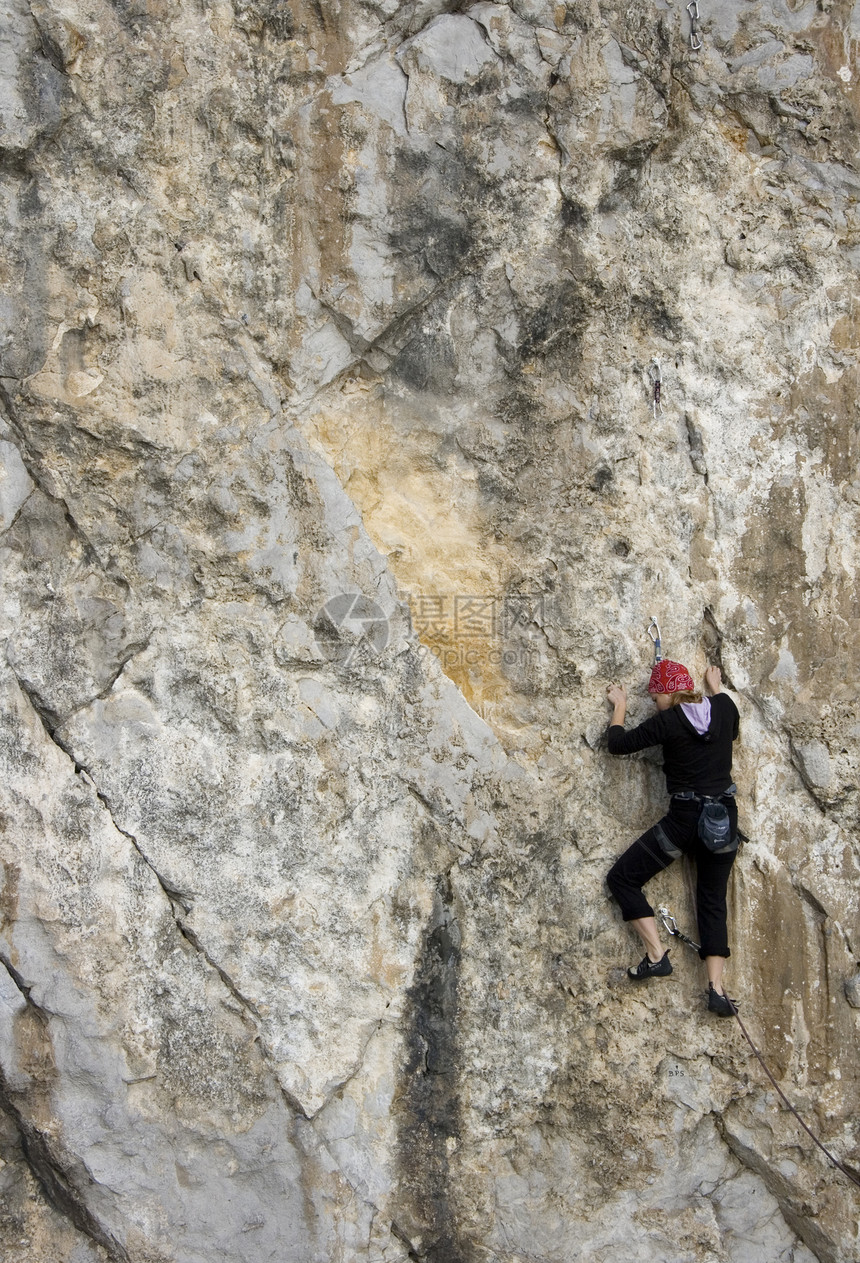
(652, 312)
(10, 876)
(553, 331)
(272, 18)
(433, 228)
(602, 479)
(427, 362)
(574, 216)
(627, 181)
(428, 1103)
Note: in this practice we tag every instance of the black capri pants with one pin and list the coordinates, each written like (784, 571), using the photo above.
(649, 855)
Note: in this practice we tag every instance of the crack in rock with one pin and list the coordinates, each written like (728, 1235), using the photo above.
(55, 1181)
(47, 716)
(794, 1212)
(359, 1066)
(433, 809)
(390, 339)
(25, 991)
(179, 901)
(398, 1233)
(696, 448)
(190, 937)
(51, 720)
(37, 478)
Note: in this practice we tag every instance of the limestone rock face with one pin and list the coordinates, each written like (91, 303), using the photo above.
(370, 374)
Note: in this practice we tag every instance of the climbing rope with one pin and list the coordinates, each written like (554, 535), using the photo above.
(672, 928)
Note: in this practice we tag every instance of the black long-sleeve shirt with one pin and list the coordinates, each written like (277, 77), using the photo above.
(690, 760)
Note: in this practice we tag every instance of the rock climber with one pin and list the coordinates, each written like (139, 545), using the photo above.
(696, 734)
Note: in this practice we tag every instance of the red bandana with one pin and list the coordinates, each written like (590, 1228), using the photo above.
(670, 677)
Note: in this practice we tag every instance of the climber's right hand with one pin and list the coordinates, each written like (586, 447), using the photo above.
(617, 694)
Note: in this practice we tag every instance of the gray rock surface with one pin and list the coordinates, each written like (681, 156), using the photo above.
(334, 490)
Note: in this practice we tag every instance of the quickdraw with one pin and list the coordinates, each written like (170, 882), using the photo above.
(671, 928)
(655, 376)
(693, 10)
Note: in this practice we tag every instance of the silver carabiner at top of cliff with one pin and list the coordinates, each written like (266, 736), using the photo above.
(693, 10)
(654, 633)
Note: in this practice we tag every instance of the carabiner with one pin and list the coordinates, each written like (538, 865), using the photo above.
(669, 923)
(671, 927)
(655, 636)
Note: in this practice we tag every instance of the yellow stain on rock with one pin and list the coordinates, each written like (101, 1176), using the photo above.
(422, 506)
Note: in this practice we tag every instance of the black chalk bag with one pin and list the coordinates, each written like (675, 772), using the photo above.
(715, 827)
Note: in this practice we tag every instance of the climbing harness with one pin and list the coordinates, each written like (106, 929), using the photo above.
(672, 928)
(693, 10)
(655, 376)
(714, 827)
(655, 636)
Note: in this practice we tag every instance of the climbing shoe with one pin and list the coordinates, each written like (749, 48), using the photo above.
(720, 1004)
(647, 969)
